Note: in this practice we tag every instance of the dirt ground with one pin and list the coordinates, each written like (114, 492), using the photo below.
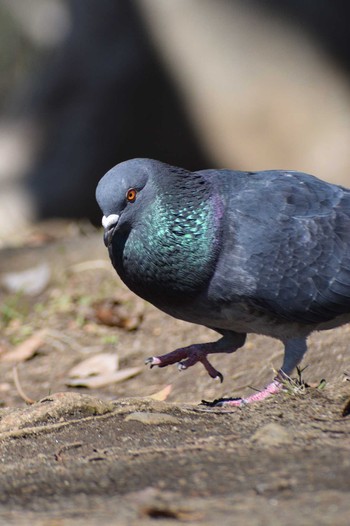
(131, 453)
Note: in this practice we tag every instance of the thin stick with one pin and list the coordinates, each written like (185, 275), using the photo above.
(19, 387)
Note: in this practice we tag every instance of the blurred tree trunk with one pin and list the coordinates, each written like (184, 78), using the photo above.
(103, 97)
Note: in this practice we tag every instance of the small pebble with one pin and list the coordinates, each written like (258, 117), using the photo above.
(272, 435)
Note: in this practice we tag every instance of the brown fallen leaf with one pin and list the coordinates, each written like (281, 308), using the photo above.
(25, 350)
(163, 394)
(94, 382)
(97, 365)
(98, 371)
(113, 313)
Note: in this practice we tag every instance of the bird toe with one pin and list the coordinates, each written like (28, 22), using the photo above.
(152, 361)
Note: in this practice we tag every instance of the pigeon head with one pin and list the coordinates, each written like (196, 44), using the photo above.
(161, 226)
(121, 196)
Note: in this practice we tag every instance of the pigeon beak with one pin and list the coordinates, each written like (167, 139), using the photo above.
(109, 224)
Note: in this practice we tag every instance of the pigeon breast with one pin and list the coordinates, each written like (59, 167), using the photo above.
(171, 252)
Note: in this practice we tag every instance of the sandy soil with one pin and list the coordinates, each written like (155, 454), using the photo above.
(115, 455)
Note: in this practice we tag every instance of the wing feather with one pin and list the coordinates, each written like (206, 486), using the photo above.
(286, 246)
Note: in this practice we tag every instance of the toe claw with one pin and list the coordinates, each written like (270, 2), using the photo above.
(224, 402)
(220, 376)
(152, 361)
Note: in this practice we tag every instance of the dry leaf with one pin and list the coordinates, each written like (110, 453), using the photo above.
(100, 364)
(94, 382)
(98, 371)
(25, 350)
(163, 394)
(115, 314)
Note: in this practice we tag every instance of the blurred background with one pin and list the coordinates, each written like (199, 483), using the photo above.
(86, 84)
(242, 84)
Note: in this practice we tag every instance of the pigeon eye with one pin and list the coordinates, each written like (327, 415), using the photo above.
(131, 195)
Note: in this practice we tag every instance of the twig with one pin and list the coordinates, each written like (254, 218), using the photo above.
(19, 387)
(48, 428)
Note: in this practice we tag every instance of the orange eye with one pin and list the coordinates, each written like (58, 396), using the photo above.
(131, 195)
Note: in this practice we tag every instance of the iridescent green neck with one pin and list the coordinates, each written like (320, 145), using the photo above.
(174, 249)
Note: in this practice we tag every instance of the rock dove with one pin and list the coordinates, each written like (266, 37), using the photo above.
(239, 252)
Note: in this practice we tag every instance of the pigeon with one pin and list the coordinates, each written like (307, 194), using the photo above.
(239, 252)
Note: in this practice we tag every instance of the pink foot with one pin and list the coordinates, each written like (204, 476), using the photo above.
(273, 388)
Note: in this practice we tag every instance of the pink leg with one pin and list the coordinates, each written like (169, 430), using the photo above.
(273, 388)
(294, 350)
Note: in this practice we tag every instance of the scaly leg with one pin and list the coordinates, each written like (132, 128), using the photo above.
(188, 356)
(294, 350)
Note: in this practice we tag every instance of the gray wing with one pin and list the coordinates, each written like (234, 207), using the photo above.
(285, 246)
